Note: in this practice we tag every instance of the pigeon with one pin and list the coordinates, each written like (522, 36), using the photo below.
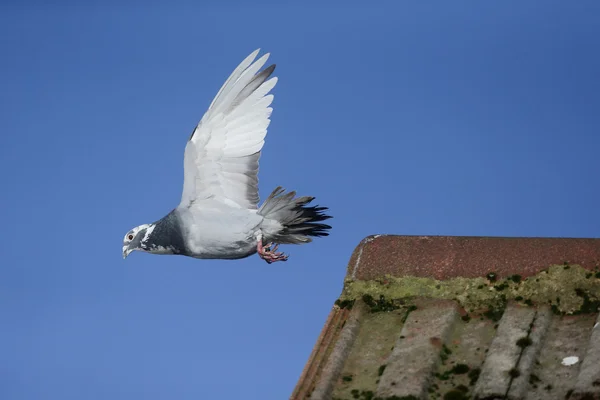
(218, 216)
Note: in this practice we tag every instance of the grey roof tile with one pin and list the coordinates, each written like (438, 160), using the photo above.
(588, 379)
(414, 359)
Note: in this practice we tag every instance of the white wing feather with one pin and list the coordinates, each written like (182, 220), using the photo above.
(221, 157)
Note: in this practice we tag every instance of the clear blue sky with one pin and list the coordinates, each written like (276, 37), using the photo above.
(445, 118)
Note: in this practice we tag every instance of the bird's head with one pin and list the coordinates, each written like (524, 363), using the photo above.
(136, 239)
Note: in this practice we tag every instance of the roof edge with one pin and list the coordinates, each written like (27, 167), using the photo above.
(445, 257)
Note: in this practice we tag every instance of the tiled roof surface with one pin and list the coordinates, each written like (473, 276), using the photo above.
(462, 318)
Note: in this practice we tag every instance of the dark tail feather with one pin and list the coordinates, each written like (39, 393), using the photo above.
(299, 221)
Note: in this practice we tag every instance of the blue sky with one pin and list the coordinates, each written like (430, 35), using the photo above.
(444, 118)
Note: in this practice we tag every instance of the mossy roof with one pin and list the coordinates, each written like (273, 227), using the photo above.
(432, 317)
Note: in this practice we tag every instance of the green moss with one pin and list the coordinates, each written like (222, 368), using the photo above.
(474, 375)
(525, 341)
(534, 380)
(445, 353)
(462, 388)
(496, 312)
(362, 394)
(380, 305)
(344, 304)
(347, 378)
(367, 395)
(368, 299)
(589, 305)
(515, 278)
(397, 398)
(501, 286)
(475, 293)
(455, 395)
(381, 369)
(555, 310)
(443, 377)
(410, 309)
(460, 369)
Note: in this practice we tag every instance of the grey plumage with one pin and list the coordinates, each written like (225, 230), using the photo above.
(218, 216)
(252, 86)
(299, 221)
(168, 234)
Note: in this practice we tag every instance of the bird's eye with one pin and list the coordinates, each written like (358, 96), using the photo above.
(130, 237)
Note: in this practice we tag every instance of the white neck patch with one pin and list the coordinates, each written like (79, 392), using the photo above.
(149, 230)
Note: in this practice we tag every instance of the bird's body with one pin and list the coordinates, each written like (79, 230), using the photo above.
(219, 217)
(226, 232)
(179, 233)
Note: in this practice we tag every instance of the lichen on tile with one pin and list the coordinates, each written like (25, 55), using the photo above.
(569, 289)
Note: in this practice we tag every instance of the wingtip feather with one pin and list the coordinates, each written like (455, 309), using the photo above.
(254, 53)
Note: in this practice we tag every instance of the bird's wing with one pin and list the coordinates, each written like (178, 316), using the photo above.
(221, 157)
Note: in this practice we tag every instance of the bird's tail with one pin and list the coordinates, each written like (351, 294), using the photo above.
(289, 221)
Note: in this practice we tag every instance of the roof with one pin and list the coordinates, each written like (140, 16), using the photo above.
(432, 317)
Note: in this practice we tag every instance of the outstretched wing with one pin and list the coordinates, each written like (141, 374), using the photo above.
(221, 157)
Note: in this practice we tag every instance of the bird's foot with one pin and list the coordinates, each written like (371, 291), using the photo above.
(269, 253)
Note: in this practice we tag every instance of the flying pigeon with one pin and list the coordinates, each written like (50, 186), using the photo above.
(219, 217)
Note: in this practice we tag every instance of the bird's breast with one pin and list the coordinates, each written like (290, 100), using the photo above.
(221, 232)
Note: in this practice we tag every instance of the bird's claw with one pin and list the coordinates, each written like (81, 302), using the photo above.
(269, 253)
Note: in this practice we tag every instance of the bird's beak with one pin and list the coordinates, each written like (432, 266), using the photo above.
(126, 251)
